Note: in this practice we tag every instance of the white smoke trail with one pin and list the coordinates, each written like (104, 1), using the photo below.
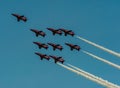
(84, 75)
(101, 59)
(100, 80)
(98, 46)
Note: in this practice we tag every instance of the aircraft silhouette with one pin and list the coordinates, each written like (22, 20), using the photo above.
(20, 17)
(56, 46)
(54, 31)
(41, 45)
(67, 32)
(73, 46)
(57, 59)
(37, 32)
(42, 56)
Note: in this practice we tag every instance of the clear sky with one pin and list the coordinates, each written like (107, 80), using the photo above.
(95, 20)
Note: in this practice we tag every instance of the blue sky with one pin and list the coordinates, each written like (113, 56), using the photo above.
(95, 20)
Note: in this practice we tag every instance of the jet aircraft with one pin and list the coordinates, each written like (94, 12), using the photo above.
(42, 56)
(67, 32)
(37, 32)
(41, 45)
(20, 17)
(73, 46)
(56, 46)
(57, 59)
(54, 31)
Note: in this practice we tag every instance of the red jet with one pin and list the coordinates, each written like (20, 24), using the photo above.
(67, 32)
(73, 46)
(41, 45)
(56, 46)
(20, 17)
(54, 31)
(57, 59)
(42, 56)
(37, 32)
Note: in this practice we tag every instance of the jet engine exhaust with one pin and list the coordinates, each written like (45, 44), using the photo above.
(101, 59)
(91, 77)
(98, 46)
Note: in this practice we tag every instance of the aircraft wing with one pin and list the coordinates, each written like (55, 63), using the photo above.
(18, 19)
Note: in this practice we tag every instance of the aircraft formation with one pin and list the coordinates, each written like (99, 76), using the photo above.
(53, 45)
(59, 59)
(54, 31)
